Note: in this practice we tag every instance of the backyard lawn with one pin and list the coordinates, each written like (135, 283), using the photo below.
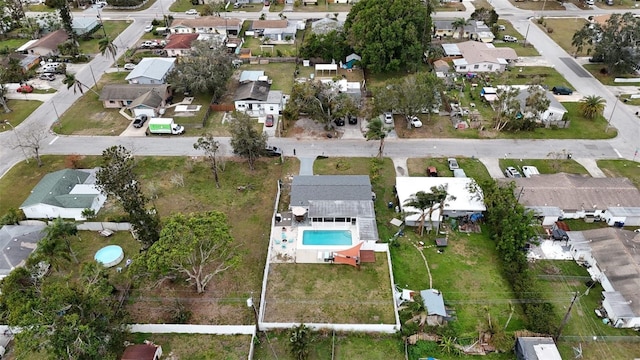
(621, 168)
(547, 166)
(197, 347)
(20, 110)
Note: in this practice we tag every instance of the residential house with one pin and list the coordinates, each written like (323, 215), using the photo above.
(326, 25)
(26, 62)
(536, 348)
(465, 198)
(274, 31)
(140, 99)
(572, 196)
(84, 25)
(151, 71)
(17, 242)
(180, 44)
(64, 193)
(309, 2)
(473, 30)
(479, 57)
(207, 25)
(611, 257)
(48, 44)
(257, 99)
(351, 88)
(147, 351)
(554, 113)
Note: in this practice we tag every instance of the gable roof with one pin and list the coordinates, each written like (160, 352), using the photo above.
(129, 92)
(476, 52)
(152, 68)
(553, 102)
(576, 192)
(181, 41)
(85, 22)
(253, 90)
(51, 40)
(329, 187)
(206, 21)
(269, 24)
(56, 189)
(150, 99)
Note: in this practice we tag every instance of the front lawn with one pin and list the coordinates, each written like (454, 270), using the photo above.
(20, 110)
(323, 6)
(520, 48)
(537, 5)
(525, 75)
(472, 167)
(609, 79)
(113, 29)
(622, 168)
(197, 347)
(546, 166)
(563, 30)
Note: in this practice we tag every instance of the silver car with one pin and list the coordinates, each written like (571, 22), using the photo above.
(453, 164)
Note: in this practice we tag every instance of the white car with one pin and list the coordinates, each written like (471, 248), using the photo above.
(509, 38)
(453, 164)
(415, 122)
(388, 118)
(191, 12)
(129, 66)
(148, 28)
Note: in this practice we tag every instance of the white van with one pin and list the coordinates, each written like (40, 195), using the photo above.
(529, 171)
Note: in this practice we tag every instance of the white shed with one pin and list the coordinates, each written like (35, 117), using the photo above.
(622, 216)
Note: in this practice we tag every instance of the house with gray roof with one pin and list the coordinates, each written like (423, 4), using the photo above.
(326, 25)
(472, 30)
(554, 112)
(84, 25)
(536, 348)
(257, 99)
(64, 193)
(479, 57)
(17, 242)
(151, 71)
(135, 96)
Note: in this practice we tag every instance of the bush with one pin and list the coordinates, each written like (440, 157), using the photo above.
(12, 217)
(549, 30)
(73, 161)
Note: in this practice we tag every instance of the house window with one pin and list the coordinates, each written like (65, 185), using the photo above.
(490, 66)
(270, 108)
(463, 67)
(340, 219)
(475, 67)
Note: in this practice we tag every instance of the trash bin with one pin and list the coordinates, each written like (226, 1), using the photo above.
(390, 205)
(569, 156)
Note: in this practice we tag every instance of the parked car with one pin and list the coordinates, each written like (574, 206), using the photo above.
(25, 88)
(388, 118)
(509, 38)
(529, 171)
(432, 171)
(339, 121)
(139, 121)
(129, 66)
(596, 59)
(269, 121)
(415, 122)
(191, 12)
(511, 172)
(148, 28)
(561, 90)
(502, 28)
(47, 76)
(453, 164)
(237, 5)
(353, 120)
(273, 151)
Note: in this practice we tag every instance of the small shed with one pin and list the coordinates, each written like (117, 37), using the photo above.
(351, 60)
(622, 216)
(434, 303)
(326, 70)
(441, 66)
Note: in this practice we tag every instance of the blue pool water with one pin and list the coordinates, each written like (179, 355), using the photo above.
(326, 237)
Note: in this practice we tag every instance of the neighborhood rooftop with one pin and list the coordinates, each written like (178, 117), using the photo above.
(329, 187)
(152, 68)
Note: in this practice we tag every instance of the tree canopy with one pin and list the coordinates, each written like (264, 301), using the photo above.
(329, 46)
(246, 141)
(389, 35)
(322, 102)
(198, 247)
(615, 42)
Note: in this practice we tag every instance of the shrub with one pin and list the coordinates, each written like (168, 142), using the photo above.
(549, 30)
(73, 161)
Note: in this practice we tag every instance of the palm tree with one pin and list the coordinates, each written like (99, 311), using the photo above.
(591, 106)
(377, 131)
(459, 23)
(61, 231)
(105, 45)
(421, 201)
(71, 82)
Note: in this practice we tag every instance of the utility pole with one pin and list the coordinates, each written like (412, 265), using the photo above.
(566, 316)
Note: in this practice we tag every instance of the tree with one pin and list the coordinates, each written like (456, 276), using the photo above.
(72, 82)
(322, 102)
(206, 70)
(78, 320)
(198, 246)
(299, 341)
(592, 106)
(117, 177)
(459, 24)
(423, 200)
(30, 138)
(105, 45)
(614, 42)
(488, 16)
(246, 141)
(389, 36)
(329, 46)
(210, 146)
(3, 101)
(507, 107)
(67, 24)
(377, 131)
(60, 231)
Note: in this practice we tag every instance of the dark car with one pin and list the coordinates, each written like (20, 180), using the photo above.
(353, 120)
(139, 121)
(561, 90)
(269, 121)
(272, 151)
(339, 121)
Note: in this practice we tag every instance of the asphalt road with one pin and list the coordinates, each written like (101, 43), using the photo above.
(621, 116)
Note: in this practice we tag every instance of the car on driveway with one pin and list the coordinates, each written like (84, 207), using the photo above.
(339, 121)
(272, 151)
(269, 121)
(509, 38)
(191, 12)
(453, 164)
(511, 172)
(25, 88)
(47, 76)
(148, 28)
(353, 120)
(388, 118)
(129, 66)
(561, 90)
(139, 121)
(415, 122)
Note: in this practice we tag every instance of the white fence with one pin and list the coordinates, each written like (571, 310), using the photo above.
(99, 226)
(626, 80)
(193, 329)
(376, 328)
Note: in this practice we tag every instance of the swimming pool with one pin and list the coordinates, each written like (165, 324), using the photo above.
(326, 237)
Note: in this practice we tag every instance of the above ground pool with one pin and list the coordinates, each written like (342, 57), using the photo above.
(326, 237)
(110, 255)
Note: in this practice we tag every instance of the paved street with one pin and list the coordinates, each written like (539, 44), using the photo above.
(623, 118)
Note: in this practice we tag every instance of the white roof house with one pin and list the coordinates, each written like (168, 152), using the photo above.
(151, 71)
(479, 57)
(462, 200)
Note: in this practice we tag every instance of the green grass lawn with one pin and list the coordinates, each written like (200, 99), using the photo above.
(276, 50)
(626, 98)
(322, 6)
(10, 45)
(482, 4)
(537, 5)
(113, 29)
(198, 347)
(20, 110)
(280, 73)
(524, 75)
(546, 166)
(608, 79)
(520, 49)
(563, 30)
(622, 168)
(472, 167)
